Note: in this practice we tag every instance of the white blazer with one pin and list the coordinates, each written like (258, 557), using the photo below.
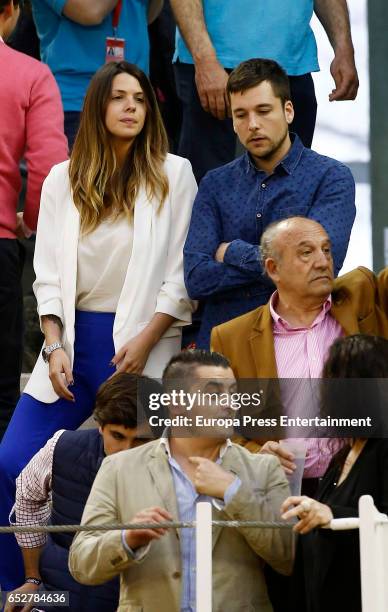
(154, 281)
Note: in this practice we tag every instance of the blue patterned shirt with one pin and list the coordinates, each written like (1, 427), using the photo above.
(235, 203)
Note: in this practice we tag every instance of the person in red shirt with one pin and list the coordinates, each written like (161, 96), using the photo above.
(31, 126)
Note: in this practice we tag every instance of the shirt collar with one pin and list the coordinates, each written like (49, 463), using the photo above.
(164, 441)
(280, 323)
(288, 163)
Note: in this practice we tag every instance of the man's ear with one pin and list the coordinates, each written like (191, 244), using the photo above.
(289, 112)
(271, 269)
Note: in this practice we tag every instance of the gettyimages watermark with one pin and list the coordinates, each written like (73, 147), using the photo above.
(265, 408)
(188, 400)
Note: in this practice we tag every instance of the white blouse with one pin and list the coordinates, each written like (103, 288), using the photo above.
(102, 262)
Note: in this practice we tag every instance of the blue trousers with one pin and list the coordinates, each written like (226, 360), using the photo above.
(34, 422)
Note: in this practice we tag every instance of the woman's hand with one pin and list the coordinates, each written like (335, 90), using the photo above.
(59, 365)
(310, 512)
(133, 356)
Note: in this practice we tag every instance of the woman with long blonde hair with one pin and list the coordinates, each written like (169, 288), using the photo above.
(109, 268)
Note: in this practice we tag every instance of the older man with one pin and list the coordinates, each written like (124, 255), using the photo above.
(290, 336)
(164, 480)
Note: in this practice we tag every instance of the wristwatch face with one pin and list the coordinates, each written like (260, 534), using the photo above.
(47, 350)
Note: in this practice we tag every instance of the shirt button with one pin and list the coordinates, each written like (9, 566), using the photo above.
(263, 185)
(176, 575)
(258, 215)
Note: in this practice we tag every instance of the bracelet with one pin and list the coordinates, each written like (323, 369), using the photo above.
(32, 580)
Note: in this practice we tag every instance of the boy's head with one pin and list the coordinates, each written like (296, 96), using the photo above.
(116, 412)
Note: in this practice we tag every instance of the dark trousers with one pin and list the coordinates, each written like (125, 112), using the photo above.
(209, 143)
(284, 591)
(11, 327)
(71, 126)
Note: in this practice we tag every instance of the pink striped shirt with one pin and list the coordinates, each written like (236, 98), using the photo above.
(33, 494)
(300, 353)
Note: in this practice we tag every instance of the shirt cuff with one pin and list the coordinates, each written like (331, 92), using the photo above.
(138, 554)
(238, 251)
(229, 494)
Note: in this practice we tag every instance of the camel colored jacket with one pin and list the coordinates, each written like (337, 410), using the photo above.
(141, 478)
(359, 304)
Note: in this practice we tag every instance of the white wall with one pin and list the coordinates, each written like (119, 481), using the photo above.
(343, 128)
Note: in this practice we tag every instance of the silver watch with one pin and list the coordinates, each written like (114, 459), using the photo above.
(47, 350)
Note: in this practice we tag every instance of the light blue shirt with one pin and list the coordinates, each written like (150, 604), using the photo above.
(187, 498)
(274, 29)
(74, 52)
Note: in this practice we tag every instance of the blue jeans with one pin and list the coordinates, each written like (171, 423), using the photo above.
(34, 422)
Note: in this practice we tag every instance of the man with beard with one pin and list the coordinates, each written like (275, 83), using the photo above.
(276, 178)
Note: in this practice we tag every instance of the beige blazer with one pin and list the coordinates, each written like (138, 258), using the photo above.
(154, 280)
(140, 478)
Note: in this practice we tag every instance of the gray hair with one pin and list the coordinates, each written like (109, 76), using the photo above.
(267, 248)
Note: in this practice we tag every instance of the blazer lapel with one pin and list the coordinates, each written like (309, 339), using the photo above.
(141, 257)
(345, 316)
(262, 345)
(163, 481)
(69, 251)
(231, 462)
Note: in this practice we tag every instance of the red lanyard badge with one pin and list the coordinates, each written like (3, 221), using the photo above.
(116, 16)
(115, 46)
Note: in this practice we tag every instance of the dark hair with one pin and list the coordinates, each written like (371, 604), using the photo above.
(183, 365)
(16, 3)
(364, 360)
(252, 72)
(116, 400)
(357, 356)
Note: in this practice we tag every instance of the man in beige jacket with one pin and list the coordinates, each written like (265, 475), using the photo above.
(163, 480)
